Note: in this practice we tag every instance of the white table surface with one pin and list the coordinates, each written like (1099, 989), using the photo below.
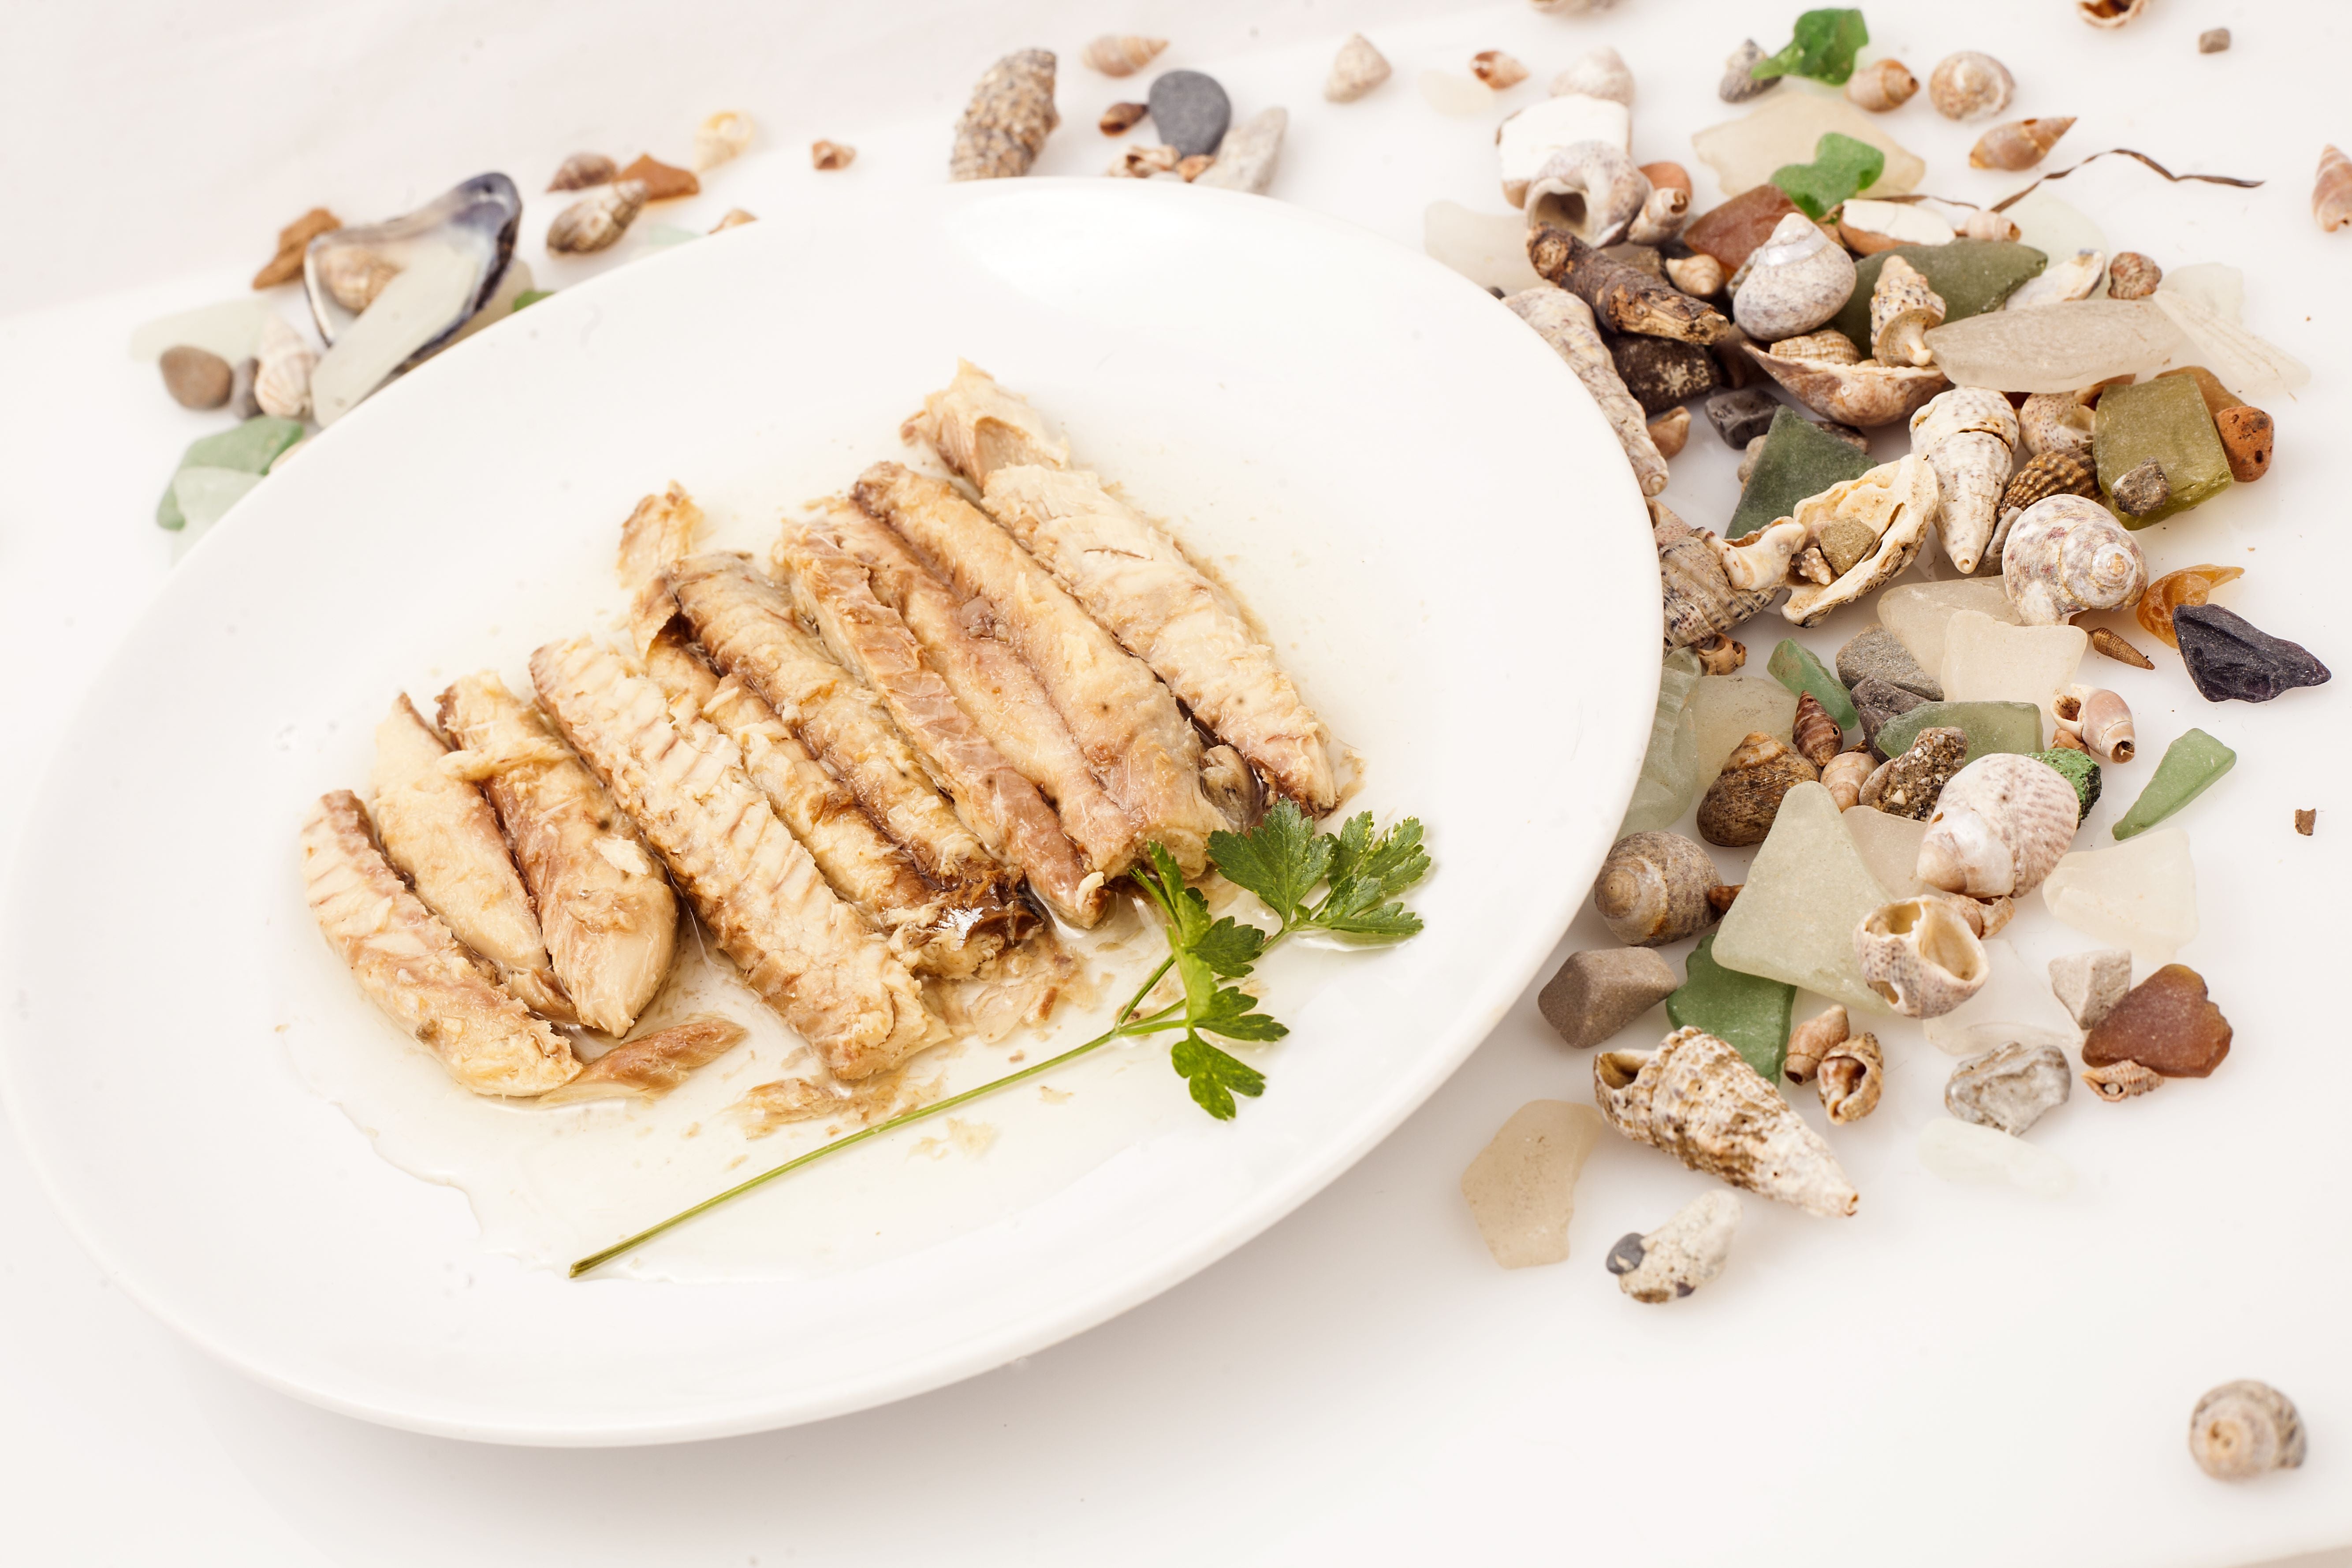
(1360, 1384)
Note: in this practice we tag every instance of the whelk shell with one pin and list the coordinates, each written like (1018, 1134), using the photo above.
(2000, 824)
(2331, 193)
(2065, 554)
(1694, 1098)
(2099, 718)
(1969, 86)
(1966, 435)
(1596, 73)
(2019, 144)
(721, 136)
(1921, 956)
(1851, 1078)
(1121, 54)
(1880, 86)
(1653, 888)
(1796, 281)
(1740, 804)
(1901, 309)
(1590, 189)
(594, 221)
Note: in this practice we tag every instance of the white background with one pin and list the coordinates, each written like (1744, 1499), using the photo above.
(1360, 1384)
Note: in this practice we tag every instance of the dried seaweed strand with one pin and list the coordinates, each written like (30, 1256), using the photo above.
(2008, 202)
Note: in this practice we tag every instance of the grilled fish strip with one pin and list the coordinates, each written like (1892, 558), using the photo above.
(610, 919)
(414, 968)
(802, 949)
(1134, 737)
(977, 427)
(661, 530)
(440, 833)
(829, 587)
(652, 1065)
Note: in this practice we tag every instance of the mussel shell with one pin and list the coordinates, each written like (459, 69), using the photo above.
(484, 213)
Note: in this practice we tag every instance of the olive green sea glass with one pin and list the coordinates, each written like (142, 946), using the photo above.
(249, 448)
(2165, 420)
(2191, 765)
(1746, 1012)
(1800, 459)
(1972, 275)
(1794, 666)
(1670, 770)
(1990, 726)
(1807, 889)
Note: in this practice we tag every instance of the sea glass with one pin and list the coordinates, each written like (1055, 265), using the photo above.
(1986, 660)
(2191, 765)
(1521, 1188)
(1669, 780)
(1878, 654)
(1919, 613)
(1787, 127)
(1800, 459)
(1488, 249)
(2141, 894)
(1731, 232)
(231, 328)
(1987, 1157)
(1727, 708)
(2015, 1006)
(249, 448)
(1746, 1012)
(1971, 276)
(2251, 367)
(1889, 846)
(203, 494)
(1796, 666)
(1989, 727)
(2165, 420)
(1807, 889)
(2055, 229)
(2057, 348)
(1839, 167)
(2215, 285)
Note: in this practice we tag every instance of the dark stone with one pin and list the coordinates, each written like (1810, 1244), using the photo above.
(1877, 702)
(1627, 1255)
(2143, 488)
(1740, 417)
(1878, 655)
(2232, 659)
(1660, 372)
(1191, 110)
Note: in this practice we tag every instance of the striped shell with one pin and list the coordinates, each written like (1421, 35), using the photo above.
(1123, 55)
(1828, 346)
(1921, 956)
(2058, 473)
(2056, 422)
(1901, 309)
(281, 374)
(2065, 554)
(1697, 1098)
(1590, 188)
(1999, 826)
(594, 221)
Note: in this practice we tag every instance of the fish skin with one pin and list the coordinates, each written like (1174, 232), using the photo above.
(652, 1065)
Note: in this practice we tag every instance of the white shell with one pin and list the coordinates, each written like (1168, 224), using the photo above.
(1870, 227)
(1762, 561)
(1697, 1098)
(1662, 218)
(1525, 142)
(1796, 281)
(1592, 189)
(2000, 824)
(1898, 501)
(2074, 278)
(1902, 308)
(2065, 554)
(1596, 73)
(281, 375)
(1921, 956)
(722, 136)
(1844, 774)
(1968, 435)
(2056, 422)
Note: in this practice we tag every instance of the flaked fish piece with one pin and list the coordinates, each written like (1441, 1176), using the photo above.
(746, 625)
(806, 952)
(1135, 738)
(609, 918)
(410, 964)
(652, 1065)
(439, 832)
(662, 529)
(993, 684)
(977, 427)
(829, 587)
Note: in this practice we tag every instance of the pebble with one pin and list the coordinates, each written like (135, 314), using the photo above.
(2166, 1023)
(1191, 110)
(2306, 819)
(1247, 156)
(1730, 232)
(2229, 658)
(1740, 417)
(1681, 1255)
(2142, 490)
(1986, 660)
(1597, 993)
(1748, 1011)
(1358, 68)
(2213, 40)
(1521, 1188)
(1807, 889)
(1920, 613)
(2079, 769)
(1981, 1156)
(662, 180)
(2011, 1088)
(1876, 703)
(2091, 984)
(2247, 434)
(196, 378)
(1877, 655)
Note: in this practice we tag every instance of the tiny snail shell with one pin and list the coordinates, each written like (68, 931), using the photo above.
(1817, 734)
(2000, 824)
(1741, 803)
(1699, 275)
(1880, 86)
(1986, 224)
(1844, 774)
(2132, 276)
(281, 377)
(1596, 73)
(1722, 656)
(583, 169)
(2056, 422)
(2019, 144)
(1798, 279)
(1118, 55)
(1653, 888)
(1969, 86)
(1851, 1077)
(1921, 956)
(2100, 719)
(721, 136)
(594, 221)
(2109, 13)
(1590, 188)
(1662, 216)
(1812, 1041)
(2065, 554)
(2242, 1429)
(2331, 193)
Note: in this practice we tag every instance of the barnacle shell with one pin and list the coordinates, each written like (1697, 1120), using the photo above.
(2065, 554)
(2242, 1429)
(2019, 144)
(2055, 473)
(1596, 73)
(1356, 70)
(1895, 502)
(1653, 888)
(2000, 824)
(1966, 435)
(1746, 796)
(1969, 86)
(1868, 226)
(1910, 785)
(1696, 1098)
(1880, 86)
(2122, 1081)
(721, 136)
(2100, 719)
(1812, 1041)
(1760, 560)
(1121, 54)
(1590, 188)
(583, 169)
(2109, 13)
(1662, 216)
(1865, 395)
(1681, 1255)
(2331, 193)
(2076, 277)
(1852, 1077)
(597, 219)
(1843, 777)
(281, 376)
(1901, 309)
(1817, 734)
(2056, 422)
(353, 275)
(1796, 281)
(1921, 956)
(1700, 601)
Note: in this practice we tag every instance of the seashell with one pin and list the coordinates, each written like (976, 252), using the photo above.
(1921, 956)
(1987, 224)
(1826, 347)
(1700, 601)
(2242, 1429)
(1498, 70)
(826, 156)
(1880, 86)
(1818, 735)
(1722, 656)
(1590, 189)
(2076, 277)
(1662, 217)
(1700, 275)
(353, 275)
(1653, 888)
(1844, 774)
(1796, 281)
(1739, 83)
(2104, 641)
(1966, 435)
(1598, 73)
(1852, 1077)
(734, 217)
(281, 376)
(1681, 1255)
(663, 182)
(1356, 70)
(2100, 719)
(2067, 473)
(2331, 193)
(1895, 502)
(1122, 54)
(2132, 276)
(1868, 227)
(1005, 122)
(1811, 1042)
(2122, 1081)
(1121, 118)
(2019, 144)
(2190, 586)
(2002, 823)
(1909, 784)
(1901, 309)
(2065, 554)
(1759, 561)
(1866, 395)
(1194, 167)
(721, 136)
(583, 169)
(1746, 796)
(1721, 899)
(1969, 86)
(1696, 1098)
(1140, 161)
(2056, 422)
(1814, 565)
(2109, 13)
(594, 221)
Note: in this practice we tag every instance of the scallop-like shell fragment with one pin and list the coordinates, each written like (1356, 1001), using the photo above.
(1596, 73)
(2065, 554)
(2019, 144)
(1880, 86)
(2000, 824)
(1653, 888)
(721, 136)
(2066, 473)
(282, 366)
(597, 219)
(2243, 1429)
(1969, 86)
(1762, 560)
(2100, 719)
(1864, 395)
(2076, 277)
(1901, 309)
(1796, 281)
(1117, 54)
(1968, 435)
(2109, 13)
(1895, 502)
(1921, 956)
(1697, 1098)
(1590, 188)
(2331, 193)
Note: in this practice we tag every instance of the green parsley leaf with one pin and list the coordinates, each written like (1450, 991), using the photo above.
(1280, 860)
(1841, 167)
(1215, 1078)
(1229, 948)
(1823, 49)
(1390, 863)
(1349, 912)
(1233, 1014)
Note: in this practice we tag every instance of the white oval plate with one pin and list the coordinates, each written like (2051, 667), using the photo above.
(1401, 479)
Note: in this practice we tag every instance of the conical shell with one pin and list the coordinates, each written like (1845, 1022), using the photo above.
(1123, 55)
(1700, 601)
(1999, 826)
(1921, 956)
(1817, 735)
(2331, 193)
(1880, 86)
(597, 219)
(1697, 1100)
(1590, 188)
(1796, 281)
(2020, 144)
(1811, 1042)
(1901, 309)
(1966, 435)
(2065, 554)
(1653, 888)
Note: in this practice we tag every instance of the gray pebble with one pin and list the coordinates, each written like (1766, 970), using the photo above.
(1191, 110)
(2011, 1088)
(1598, 992)
(2143, 488)
(1740, 417)
(241, 399)
(1878, 703)
(1878, 655)
(196, 378)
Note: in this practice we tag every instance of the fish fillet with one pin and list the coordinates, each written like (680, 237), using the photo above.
(661, 530)
(440, 833)
(1001, 693)
(652, 1065)
(610, 919)
(1134, 736)
(977, 427)
(801, 948)
(412, 966)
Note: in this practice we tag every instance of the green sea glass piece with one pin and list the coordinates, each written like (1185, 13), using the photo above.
(528, 298)
(1726, 709)
(1972, 275)
(249, 448)
(1800, 459)
(1796, 666)
(1841, 167)
(2191, 764)
(203, 494)
(1670, 771)
(2079, 769)
(2165, 420)
(1807, 889)
(1990, 726)
(1823, 49)
(1748, 1011)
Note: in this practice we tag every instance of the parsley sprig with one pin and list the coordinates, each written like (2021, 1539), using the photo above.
(1282, 861)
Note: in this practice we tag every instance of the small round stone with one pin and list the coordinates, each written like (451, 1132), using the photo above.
(196, 378)
(1191, 110)
(2246, 435)
(1627, 1255)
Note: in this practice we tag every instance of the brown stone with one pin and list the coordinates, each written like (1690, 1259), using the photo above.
(662, 182)
(1730, 232)
(2166, 1023)
(2246, 436)
(2216, 396)
(196, 378)
(1598, 992)
(292, 241)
